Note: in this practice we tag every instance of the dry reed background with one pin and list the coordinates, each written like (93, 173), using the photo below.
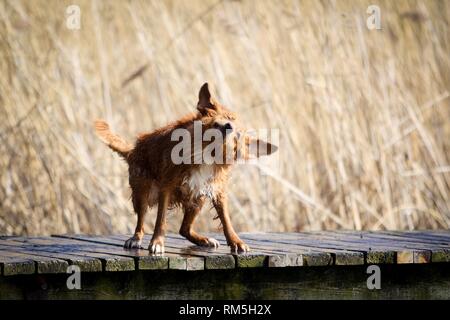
(363, 115)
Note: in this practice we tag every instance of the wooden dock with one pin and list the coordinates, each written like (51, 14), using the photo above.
(327, 264)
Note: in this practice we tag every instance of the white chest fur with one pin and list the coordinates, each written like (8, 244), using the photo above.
(201, 181)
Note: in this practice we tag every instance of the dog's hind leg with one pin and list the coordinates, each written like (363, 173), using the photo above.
(139, 198)
(190, 213)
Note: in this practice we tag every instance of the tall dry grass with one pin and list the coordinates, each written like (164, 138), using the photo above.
(364, 115)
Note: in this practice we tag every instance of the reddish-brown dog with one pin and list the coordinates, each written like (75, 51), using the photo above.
(155, 179)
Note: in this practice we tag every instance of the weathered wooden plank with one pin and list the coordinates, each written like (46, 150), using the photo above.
(73, 253)
(211, 259)
(373, 249)
(44, 246)
(439, 236)
(439, 233)
(321, 245)
(260, 257)
(397, 239)
(285, 260)
(224, 259)
(392, 237)
(422, 251)
(407, 251)
(381, 257)
(126, 260)
(311, 253)
(215, 258)
(441, 255)
(43, 264)
(220, 262)
(177, 260)
(374, 254)
(300, 254)
(284, 255)
(12, 266)
(174, 260)
(424, 238)
(268, 249)
(381, 251)
(103, 245)
(153, 263)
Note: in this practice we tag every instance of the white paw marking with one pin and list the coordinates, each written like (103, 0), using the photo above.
(213, 243)
(240, 248)
(157, 248)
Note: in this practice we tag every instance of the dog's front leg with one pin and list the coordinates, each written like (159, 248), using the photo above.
(157, 243)
(233, 240)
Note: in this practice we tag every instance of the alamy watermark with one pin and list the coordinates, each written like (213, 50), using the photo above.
(224, 145)
(374, 19)
(74, 280)
(73, 17)
(374, 280)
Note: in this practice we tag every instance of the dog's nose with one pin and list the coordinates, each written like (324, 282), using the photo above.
(228, 126)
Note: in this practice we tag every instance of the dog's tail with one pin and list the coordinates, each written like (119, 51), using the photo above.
(113, 141)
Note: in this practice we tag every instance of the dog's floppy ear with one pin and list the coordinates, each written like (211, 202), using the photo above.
(206, 103)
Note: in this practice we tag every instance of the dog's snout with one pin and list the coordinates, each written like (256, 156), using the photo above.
(228, 126)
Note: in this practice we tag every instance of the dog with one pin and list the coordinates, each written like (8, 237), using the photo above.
(155, 178)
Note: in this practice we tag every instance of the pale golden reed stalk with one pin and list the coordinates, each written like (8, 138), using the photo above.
(364, 115)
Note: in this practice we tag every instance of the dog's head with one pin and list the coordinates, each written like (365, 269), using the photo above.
(222, 132)
(214, 115)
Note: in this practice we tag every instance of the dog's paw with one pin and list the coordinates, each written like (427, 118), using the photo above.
(156, 246)
(239, 247)
(133, 243)
(213, 243)
(209, 242)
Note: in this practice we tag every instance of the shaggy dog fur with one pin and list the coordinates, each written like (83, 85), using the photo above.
(155, 179)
